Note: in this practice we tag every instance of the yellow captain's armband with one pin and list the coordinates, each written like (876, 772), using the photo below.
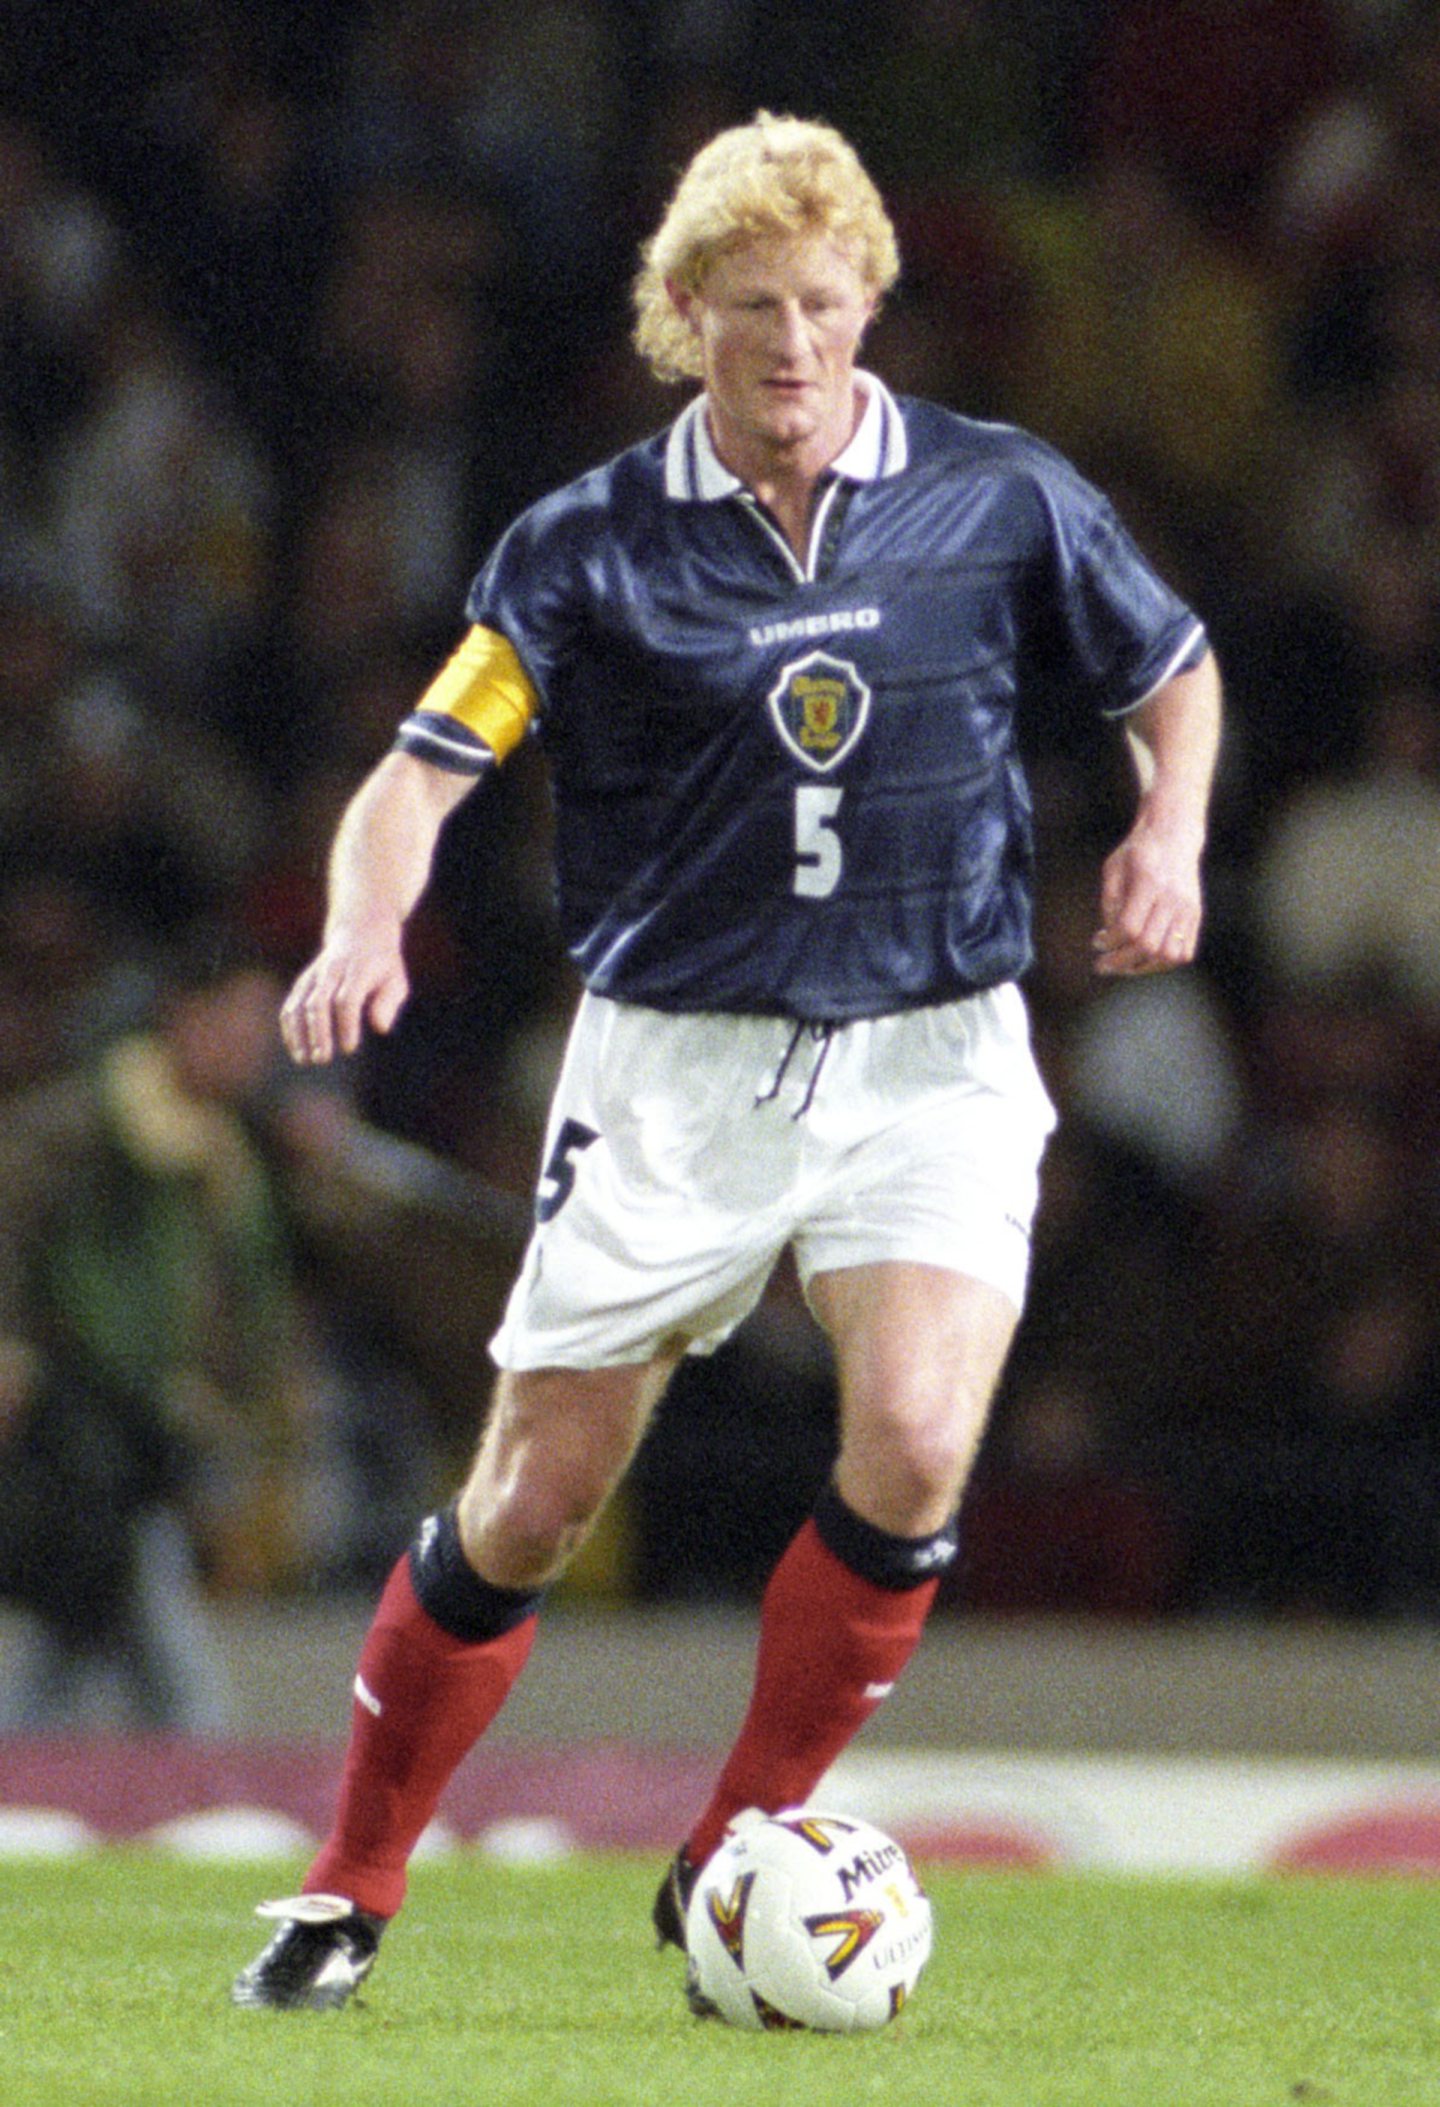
(484, 687)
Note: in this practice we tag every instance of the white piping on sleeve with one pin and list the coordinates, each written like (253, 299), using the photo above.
(1196, 632)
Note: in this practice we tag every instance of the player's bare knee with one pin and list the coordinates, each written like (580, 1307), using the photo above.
(915, 1473)
(535, 1523)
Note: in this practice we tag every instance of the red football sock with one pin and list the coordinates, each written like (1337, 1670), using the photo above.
(422, 1700)
(831, 1644)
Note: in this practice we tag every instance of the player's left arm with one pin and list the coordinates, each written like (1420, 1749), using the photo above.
(1150, 889)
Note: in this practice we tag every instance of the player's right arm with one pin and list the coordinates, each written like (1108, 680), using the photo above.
(379, 866)
(476, 710)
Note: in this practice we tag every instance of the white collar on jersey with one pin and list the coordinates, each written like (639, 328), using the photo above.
(694, 470)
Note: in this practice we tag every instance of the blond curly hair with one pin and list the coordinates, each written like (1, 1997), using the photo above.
(775, 175)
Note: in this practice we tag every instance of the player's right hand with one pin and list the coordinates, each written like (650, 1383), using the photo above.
(349, 985)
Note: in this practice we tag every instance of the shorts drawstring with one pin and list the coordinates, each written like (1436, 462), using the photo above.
(822, 1034)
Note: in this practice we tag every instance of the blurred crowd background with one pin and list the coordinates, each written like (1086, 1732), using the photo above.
(298, 306)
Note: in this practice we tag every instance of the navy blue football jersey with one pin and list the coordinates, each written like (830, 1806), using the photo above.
(795, 786)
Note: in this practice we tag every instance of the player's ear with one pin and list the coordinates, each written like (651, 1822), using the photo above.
(684, 302)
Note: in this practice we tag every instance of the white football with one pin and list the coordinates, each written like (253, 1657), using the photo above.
(806, 1919)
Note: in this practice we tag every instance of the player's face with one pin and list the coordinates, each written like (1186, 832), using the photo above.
(779, 323)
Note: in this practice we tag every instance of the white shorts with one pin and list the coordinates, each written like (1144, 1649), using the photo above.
(685, 1152)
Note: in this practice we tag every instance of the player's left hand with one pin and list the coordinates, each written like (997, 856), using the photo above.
(1150, 906)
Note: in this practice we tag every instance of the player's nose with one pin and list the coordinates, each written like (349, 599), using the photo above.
(789, 332)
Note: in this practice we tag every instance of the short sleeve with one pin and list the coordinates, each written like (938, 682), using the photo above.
(1120, 631)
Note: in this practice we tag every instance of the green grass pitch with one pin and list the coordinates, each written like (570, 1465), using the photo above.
(539, 1987)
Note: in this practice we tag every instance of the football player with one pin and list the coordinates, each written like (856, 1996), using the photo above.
(778, 658)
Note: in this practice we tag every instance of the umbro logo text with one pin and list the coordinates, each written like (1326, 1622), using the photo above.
(815, 625)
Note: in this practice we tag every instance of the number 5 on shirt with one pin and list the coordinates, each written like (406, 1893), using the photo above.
(819, 858)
